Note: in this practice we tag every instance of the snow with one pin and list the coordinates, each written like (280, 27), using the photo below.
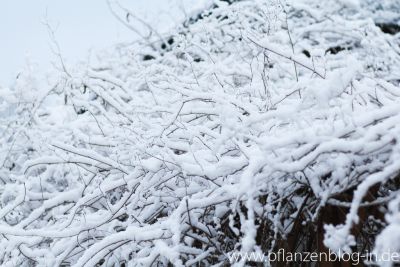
(228, 132)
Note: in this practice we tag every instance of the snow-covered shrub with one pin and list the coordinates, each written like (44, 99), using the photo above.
(257, 123)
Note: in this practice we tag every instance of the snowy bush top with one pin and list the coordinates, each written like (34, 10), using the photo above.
(185, 147)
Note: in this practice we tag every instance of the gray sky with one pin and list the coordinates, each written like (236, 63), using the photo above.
(80, 26)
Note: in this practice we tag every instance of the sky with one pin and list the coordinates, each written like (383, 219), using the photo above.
(79, 26)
